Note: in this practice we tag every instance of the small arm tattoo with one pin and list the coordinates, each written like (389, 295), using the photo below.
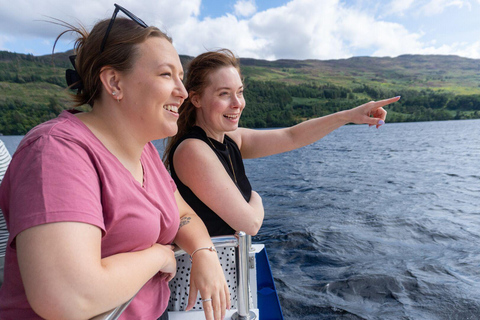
(184, 221)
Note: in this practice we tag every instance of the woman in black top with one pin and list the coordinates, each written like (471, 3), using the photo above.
(205, 157)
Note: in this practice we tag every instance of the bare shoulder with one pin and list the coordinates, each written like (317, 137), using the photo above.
(192, 152)
(196, 164)
(239, 135)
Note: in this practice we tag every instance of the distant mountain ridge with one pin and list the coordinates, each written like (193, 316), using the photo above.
(412, 71)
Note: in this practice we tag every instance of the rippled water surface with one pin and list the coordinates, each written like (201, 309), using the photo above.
(374, 224)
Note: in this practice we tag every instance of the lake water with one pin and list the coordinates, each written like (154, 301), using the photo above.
(374, 224)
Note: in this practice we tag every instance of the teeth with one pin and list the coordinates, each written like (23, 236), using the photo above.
(171, 108)
(229, 116)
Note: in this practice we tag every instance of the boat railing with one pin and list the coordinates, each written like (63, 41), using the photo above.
(242, 242)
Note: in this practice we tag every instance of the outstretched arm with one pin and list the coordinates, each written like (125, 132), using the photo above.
(261, 143)
(206, 275)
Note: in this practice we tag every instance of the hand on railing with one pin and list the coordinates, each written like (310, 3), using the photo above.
(240, 240)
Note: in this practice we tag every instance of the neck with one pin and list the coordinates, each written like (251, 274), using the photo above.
(115, 133)
(219, 136)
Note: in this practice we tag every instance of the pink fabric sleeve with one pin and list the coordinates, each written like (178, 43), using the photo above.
(54, 182)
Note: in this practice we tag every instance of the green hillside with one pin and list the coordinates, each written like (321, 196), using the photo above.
(450, 73)
(278, 93)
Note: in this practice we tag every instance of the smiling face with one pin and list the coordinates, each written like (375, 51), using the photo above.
(153, 89)
(221, 104)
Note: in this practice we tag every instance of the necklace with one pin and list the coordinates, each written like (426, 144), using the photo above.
(229, 158)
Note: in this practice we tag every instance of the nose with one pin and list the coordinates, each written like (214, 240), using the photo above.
(236, 102)
(181, 91)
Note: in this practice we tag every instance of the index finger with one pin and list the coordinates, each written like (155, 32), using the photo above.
(382, 103)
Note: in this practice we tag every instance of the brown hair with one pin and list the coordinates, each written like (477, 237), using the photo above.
(197, 80)
(119, 53)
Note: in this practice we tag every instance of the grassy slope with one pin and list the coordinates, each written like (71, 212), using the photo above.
(449, 73)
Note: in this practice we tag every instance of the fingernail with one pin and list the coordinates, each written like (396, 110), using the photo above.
(398, 97)
(380, 122)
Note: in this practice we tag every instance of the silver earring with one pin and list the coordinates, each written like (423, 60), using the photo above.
(114, 93)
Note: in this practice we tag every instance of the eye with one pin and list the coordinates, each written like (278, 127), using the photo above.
(224, 93)
(166, 74)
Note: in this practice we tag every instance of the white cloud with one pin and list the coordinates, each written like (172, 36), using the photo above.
(469, 50)
(24, 17)
(423, 8)
(299, 29)
(167, 13)
(245, 8)
(434, 7)
(362, 31)
(193, 36)
(399, 6)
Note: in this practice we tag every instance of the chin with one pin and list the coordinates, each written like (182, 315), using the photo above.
(173, 131)
(167, 132)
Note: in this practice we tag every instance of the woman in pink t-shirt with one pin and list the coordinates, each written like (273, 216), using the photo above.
(90, 207)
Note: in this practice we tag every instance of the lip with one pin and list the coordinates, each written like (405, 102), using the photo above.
(172, 109)
(232, 117)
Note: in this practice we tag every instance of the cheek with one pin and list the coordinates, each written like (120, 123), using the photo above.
(218, 106)
(161, 92)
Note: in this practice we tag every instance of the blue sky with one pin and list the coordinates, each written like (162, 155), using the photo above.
(268, 29)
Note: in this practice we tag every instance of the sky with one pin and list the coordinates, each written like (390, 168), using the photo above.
(264, 29)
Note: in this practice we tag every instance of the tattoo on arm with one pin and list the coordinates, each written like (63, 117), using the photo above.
(184, 221)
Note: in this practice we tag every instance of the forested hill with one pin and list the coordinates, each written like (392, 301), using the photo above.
(278, 93)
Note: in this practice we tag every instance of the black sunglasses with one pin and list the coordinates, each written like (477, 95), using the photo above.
(129, 14)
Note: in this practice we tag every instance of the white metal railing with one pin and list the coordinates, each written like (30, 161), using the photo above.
(242, 242)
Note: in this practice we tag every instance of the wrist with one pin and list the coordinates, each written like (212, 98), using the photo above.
(344, 116)
(211, 249)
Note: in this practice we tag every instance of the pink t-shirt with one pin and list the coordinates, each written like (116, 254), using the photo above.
(62, 172)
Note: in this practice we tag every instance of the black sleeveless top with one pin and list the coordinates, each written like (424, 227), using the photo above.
(224, 151)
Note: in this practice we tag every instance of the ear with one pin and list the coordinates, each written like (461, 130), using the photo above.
(110, 80)
(195, 99)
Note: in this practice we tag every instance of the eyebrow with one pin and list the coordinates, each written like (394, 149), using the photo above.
(227, 88)
(171, 66)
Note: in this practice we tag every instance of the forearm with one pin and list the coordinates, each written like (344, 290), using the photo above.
(253, 223)
(371, 113)
(312, 130)
(123, 275)
(239, 214)
(64, 276)
(262, 143)
(96, 289)
(192, 233)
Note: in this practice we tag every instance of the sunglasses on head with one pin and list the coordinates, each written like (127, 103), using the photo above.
(73, 79)
(110, 25)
